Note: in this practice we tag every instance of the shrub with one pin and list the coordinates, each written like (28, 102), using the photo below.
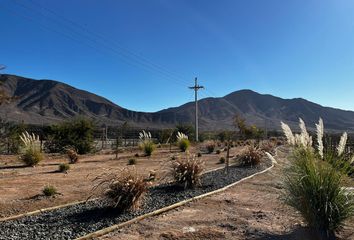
(222, 160)
(64, 167)
(251, 156)
(132, 161)
(199, 154)
(77, 133)
(218, 151)
(136, 155)
(267, 146)
(210, 146)
(72, 155)
(49, 191)
(123, 191)
(152, 176)
(314, 188)
(313, 182)
(183, 142)
(32, 154)
(146, 143)
(187, 171)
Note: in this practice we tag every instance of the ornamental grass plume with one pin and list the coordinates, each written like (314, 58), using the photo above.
(288, 134)
(183, 141)
(146, 143)
(305, 138)
(32, 154)
(342, 144)
(314, 182)
(320, 133)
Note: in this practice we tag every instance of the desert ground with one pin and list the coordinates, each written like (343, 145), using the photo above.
(21, 187)
(250, 210)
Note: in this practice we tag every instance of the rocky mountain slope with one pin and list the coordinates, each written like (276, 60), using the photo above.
(47, 101)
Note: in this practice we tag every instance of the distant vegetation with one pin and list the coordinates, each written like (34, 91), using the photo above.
(77, 134)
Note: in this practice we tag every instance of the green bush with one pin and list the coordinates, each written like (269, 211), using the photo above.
(146, 143)
(148, 148)
(31, 157)
(49, 191)
(64, 167)
(132, 161)
(183, 144)
(222, 160)
(77, 134)
(199, 154)
(313, 187)
(218, 151)
(341, 163)
(32, 154)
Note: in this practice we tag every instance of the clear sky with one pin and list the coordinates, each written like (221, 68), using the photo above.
(143, 54)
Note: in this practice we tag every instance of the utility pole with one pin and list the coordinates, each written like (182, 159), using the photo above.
(196, 87)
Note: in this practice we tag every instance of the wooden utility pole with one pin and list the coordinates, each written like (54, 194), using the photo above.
(196, 87)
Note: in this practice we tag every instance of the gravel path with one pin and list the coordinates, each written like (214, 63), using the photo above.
(81, 219)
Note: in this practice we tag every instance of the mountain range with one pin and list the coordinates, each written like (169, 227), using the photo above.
(48, 101)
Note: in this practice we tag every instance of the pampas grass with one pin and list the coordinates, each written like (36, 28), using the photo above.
(288, 134)
(342, 144)
(146, 143)
(182, 141)
(32, 154)
(320, 133)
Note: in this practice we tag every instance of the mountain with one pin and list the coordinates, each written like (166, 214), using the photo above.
(48, 101)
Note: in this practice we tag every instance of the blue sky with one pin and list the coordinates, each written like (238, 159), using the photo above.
(143, 55)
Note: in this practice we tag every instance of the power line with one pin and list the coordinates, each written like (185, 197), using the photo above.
(115, 42)
(124, 56)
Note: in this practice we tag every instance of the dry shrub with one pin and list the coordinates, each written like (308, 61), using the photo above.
(123, 190)
(210, 146)
(251, 156)
(72, 155)
(267, 146)
(187, 171)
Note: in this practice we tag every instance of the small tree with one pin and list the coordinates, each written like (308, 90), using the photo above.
(77, 133)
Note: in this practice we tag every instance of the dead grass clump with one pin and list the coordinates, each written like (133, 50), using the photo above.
(267, 146)
(210, 146)
(187, 171)
(251, 156)
(123, 190)
(72, 155)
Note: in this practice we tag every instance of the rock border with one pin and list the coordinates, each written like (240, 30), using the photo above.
(110, 229)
